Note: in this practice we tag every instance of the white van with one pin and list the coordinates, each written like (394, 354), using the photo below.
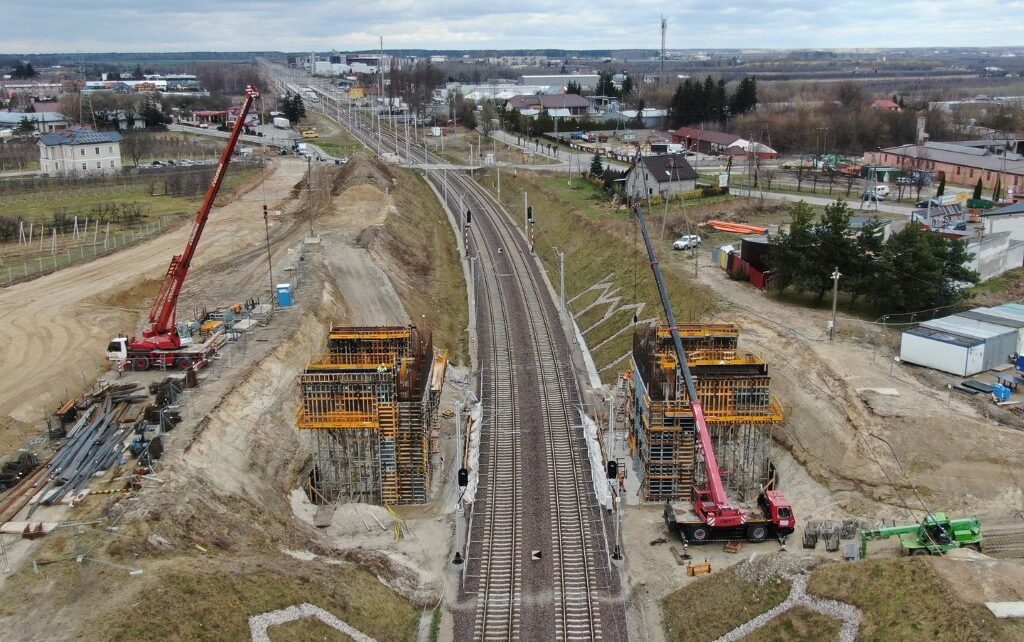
(875, 193)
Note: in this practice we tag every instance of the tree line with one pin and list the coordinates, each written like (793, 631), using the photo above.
(709, 102)
(915, 269)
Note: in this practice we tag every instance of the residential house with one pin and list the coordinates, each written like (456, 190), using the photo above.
(44, 122)
(78, 150)
(559, 82)
(885, 104)
(652, 118)
(712, 142)
(663, 175)
(962, 165)
(575, 104)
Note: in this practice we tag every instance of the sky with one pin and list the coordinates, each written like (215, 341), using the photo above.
(52, 26)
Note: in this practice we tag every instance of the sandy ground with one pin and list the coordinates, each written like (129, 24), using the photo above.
(837, 395)
(54, 330)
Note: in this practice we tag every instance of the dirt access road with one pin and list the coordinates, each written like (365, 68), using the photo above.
(839, 397)
(54, 330)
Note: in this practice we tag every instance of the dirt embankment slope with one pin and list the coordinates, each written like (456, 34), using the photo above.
(217, 538)
(414, 243)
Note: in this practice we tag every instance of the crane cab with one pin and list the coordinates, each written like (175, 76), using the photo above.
(778, 510)
(117, 349)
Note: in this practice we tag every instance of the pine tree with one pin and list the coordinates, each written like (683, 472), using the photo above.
(997, 192)
(977, 190)
(596, 167)
(942, 185)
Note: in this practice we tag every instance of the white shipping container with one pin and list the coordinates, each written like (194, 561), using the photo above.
(943, 351)
(281, 123)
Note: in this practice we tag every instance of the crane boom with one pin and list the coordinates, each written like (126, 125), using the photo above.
(162, 332)
(719, 505)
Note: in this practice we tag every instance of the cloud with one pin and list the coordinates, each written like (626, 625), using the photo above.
(301, 25)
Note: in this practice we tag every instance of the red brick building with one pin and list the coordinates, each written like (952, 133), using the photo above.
(962, 165)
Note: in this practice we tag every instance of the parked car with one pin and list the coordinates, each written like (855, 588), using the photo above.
(872, 196)
(933, 202)
(157, 164)
(687, 242)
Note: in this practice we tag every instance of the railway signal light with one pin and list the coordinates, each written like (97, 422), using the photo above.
(469, 217)
(529, 213)
(613, 469)
(463, 478)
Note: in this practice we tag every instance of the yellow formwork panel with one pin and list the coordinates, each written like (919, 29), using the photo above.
(357, 361)
(727, 329)
(336, 420)
(341, 333)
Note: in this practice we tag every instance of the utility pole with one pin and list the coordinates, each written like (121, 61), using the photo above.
(561, 278)
(526, 215)
(270, 265)
(309, 192)
(498, 165)
(835, 294)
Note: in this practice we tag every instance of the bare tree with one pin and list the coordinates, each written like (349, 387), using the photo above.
(769, 176)
(136, 145)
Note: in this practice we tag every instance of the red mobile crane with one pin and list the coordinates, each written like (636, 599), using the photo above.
(713, 517)
(161, 344)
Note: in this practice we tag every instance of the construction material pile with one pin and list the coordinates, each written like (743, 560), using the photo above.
(95, 444)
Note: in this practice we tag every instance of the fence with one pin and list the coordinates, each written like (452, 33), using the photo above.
(59, 251)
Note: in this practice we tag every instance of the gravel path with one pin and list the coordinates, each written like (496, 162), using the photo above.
(258, 624)
(849, 614)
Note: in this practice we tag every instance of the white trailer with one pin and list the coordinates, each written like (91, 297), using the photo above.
(281, 123)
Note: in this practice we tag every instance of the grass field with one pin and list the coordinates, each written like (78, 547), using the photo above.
(798, 624)
(710, 607)
(333, 139)
(904, 599)
(1005, 288)
(84, 197)
(216, 603)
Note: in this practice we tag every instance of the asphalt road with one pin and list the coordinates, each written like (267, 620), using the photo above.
(884, 207)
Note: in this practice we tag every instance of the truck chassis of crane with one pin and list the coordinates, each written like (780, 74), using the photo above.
(685, 524)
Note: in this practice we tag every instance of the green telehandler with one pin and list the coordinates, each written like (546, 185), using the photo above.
(935, 535)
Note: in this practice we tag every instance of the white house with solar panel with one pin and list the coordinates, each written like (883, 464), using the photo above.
(79, 150)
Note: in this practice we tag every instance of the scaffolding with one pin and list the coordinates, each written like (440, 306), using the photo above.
(371, 402)
(734, 390)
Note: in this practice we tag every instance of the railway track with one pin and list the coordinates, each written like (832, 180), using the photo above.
(537, 568)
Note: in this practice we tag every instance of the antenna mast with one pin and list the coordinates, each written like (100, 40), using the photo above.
(664, 24)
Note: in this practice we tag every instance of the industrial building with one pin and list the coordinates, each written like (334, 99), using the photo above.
(371, 404)
(734, 390)
(967, 343)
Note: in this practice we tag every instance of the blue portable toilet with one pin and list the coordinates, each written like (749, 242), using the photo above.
(1020, 362)
(284, 294)
(1001, 392)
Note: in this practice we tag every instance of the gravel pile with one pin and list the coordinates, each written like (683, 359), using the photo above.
(259, 624)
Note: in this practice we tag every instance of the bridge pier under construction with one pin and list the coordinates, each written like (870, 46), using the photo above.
(371, 402)
(734, 389)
